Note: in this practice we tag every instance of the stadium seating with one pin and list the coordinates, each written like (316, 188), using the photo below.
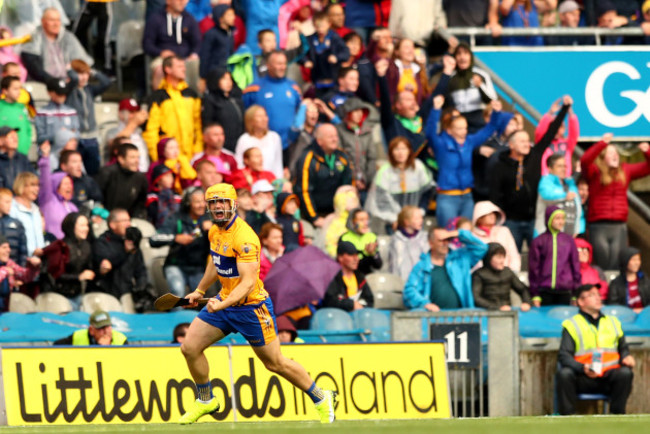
(387, 290)
(385, 282)
(125, 49)
(377, 321)
(382, 245)
(611, 275)
(624, 314)
(53, 302)
(148, 230)
(339, 322)
(21, 303)
(39, 93)
(99, 301)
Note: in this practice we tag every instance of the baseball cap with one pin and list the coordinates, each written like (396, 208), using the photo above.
(261, 186)
(568, 6)
(58, 86)
(100, 319)
(129, 104)
(586, 287)
(3, 240)
(6, 130)
(346, 248)
(604, 6)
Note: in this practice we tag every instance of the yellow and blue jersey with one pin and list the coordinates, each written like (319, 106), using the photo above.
(236, 243)
(253, 316)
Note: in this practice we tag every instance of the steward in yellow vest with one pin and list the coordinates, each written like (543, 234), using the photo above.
(593, 357)
(100, 332)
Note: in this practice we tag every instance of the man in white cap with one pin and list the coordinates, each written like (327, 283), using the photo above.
(100, 332)
(569, 12)
(263, 208)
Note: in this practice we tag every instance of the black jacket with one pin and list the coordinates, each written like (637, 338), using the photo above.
(336, 295)
(192, 255)
(128, 273)
(225, 110)
(14, 231)
(491, 288)
(321, 181)
(520, 204)
(618, 288)
(122, 188)
(11, 167)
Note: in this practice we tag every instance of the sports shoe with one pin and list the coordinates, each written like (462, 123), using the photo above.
(326, 407)
(199, 409)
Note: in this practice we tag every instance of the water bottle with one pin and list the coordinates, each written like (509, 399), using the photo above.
(597, 361)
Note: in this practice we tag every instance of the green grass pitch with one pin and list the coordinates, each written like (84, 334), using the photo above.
(632, 424)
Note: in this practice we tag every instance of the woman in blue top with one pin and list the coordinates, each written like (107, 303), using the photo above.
(520, 13)
(453, 149)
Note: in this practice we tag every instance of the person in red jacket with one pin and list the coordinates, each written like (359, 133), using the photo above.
(608, 208)
(253, 170)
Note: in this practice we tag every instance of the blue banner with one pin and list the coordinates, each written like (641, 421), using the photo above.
(610, 87)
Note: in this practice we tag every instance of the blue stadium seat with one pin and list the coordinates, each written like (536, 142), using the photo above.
(562, 312)
(330, 318)
(623, 313)
(374, 320)
(335, 325)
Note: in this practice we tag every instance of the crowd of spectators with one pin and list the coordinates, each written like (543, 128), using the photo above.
(371, 135)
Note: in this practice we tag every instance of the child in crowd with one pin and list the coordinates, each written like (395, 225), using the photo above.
(13, 275)
(408, 242)
(12, 229)
(170, 155)
(554, 268)
(560, 145)
(492, 283)
(14, 114)
(364, 240)
(286, 205)
(557, 188)
(244, 202)
(326, 51)
(162, 201)
(489, 227)
(82, 96)
(632, 287)
(591, 273)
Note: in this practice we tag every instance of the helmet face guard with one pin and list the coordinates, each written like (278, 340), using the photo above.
(221, 216)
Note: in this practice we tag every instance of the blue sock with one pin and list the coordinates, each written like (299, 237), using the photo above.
(315, 393)
(205, 391)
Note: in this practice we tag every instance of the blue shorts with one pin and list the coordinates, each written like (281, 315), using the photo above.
(255, 322)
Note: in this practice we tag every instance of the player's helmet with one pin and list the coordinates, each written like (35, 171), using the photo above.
(221, 193)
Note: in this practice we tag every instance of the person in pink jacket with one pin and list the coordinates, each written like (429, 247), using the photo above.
(488, 226)
(560, 144)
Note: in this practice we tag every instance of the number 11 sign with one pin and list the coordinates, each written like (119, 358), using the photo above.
(463, 343)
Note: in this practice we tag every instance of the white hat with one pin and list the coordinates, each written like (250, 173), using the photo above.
(262, 186)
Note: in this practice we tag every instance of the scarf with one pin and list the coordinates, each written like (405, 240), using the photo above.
(413, 125)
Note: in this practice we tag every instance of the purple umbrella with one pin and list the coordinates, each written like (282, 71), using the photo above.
(299, 277)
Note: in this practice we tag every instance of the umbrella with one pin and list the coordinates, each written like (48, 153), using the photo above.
(299, 277)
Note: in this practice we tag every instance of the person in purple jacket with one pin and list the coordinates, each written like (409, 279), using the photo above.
(55, 194)
(553, 264)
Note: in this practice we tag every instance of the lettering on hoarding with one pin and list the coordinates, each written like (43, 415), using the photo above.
(362, 391)
(595, 95)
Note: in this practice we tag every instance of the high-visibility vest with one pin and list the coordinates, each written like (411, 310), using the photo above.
(588, 339)
(81, 337)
